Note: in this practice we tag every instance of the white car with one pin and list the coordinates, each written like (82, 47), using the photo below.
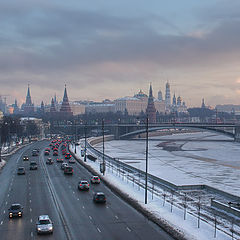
(71, 160)
(44, 224)
(95, 179)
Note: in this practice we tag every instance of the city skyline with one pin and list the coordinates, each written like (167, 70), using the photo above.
(110, 50)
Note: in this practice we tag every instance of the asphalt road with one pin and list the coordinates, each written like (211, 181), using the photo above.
(75, 216)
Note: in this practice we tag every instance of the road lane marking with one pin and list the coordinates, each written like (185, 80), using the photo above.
(31, 220)
(116, 217)
(30, 209)
(83, 207)
(106, 206)
(30, 200)
(98, 229)
(73, 192)
(4, 212)
(128, 229)
(90, 217)
(29, 194)
(1, 222)
(8, 195)
(31, 234)
(6, 203)
(78, 199)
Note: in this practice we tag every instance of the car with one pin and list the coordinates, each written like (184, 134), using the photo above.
(71, 160)
(21, 171)
(60, 160)
(33, 165)
(46, 153)
(64, 165)
(83, 185)
(95, 179)
(49, 161)
(68, 170)
(16, 210)
(44, 225)
(55, 153)
(34, 152)
(68, 156)
(25, 158)
(99, 197)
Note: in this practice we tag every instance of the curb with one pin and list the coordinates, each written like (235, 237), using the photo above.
(177, 234)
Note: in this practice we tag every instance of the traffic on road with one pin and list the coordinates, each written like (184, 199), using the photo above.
(45, 191)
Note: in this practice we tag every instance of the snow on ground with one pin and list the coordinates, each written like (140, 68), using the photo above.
(216, 164)
(155, 205)
(2, 163)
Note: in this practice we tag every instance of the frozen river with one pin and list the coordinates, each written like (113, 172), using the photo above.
(214, 163)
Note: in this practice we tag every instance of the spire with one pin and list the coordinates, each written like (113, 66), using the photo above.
(28, 97)
(65, 103)
(52, 108)
(203, 104)
(151, 110)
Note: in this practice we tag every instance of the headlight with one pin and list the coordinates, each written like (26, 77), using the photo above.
(39, 229)
(50, 228)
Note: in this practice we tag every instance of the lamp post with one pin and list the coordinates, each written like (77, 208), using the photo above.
(103, 168)
(146, 173)
(75, 150)
(85, 147)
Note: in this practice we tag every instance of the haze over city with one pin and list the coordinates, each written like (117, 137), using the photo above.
(105, 49)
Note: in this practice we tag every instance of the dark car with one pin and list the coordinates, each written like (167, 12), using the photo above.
(60, 160)
(16, 210)
(33, 166)
(25, 158)
(46, 153)
(34, 152)
(68, 156)
(55, 153)
(99, 197)
(49, 161)
(21, 171)
(68, 170)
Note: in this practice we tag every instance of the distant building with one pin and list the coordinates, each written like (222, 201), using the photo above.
(65, 110)
(100, 108)
(77, 108)
(151, 110)
(168, 97)
(160, 97)
(28, 107)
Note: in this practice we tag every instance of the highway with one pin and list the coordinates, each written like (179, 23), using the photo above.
(74, 214)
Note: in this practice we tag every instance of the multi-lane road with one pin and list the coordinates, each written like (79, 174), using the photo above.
(75, 216)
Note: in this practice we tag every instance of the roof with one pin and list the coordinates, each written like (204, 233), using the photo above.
(43, 217)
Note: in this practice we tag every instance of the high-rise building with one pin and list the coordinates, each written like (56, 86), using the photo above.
(151, 110)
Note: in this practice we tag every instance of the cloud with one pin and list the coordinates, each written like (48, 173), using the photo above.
(48, 43)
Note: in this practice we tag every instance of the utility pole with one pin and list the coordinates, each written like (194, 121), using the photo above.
(85, 148)
(103, 147)
(146, 173)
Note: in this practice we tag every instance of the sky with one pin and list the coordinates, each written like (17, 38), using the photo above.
(110, 49)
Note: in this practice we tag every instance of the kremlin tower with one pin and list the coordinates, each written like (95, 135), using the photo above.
(151, 110)
(28, 107)
(65, 110)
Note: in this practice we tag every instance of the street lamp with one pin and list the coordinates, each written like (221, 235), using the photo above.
(103, 166)
(146, 174)
(85, 147)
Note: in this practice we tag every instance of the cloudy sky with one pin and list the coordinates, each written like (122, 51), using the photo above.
(110, 48)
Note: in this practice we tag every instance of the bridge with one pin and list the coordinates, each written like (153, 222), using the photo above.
(128, 131)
